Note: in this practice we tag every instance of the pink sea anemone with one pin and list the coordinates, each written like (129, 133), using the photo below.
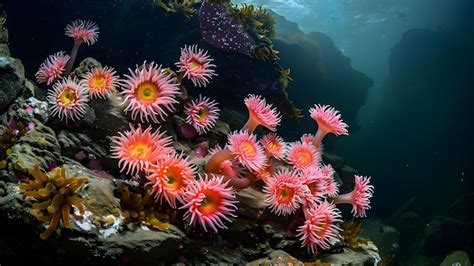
(196, 65)
(329, 121)
(261, 113)
(169, 177)
(327, 177)
(274, 145)
(137, 149)
(202, 114)
(149, 92)
(52, 68)
(284, 192)
(307, 138)
(83, 31)
(100, 82)
(67, 99)
(209, 202)
(319, 229)
(359, 198)
(247, 150)
(313, 179)
(303, 155)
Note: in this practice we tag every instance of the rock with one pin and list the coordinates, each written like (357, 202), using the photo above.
(444, 235)
(347, 257)
(90, 233)
(4, 50)
(277, 257)
(335, 161)
(352, 257)
(346, 174)
(458, 258)
(85, 66)
(74, 142)
(12, 79)
(385, 237)
(38, 147)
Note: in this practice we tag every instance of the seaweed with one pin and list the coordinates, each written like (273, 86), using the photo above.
(183, 6)
(351, 231)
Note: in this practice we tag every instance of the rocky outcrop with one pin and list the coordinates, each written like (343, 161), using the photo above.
(100, 233)
(321, 73)
(12, 80)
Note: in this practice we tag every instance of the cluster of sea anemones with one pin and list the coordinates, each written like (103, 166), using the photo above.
(310, 184)
(294, 175)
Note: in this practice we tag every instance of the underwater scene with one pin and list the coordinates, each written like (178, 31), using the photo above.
(237, 132)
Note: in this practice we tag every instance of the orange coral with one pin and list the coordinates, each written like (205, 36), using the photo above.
(140, 207)
(56, 194)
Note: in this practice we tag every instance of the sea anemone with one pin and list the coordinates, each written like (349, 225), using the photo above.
(83, 31)
(284, 192)
(137, 149)
(312, 178)
(68, 99)
(329, 121)
(100, 82)
(274, 145)
(327, 177)
(359, 198)
(196, 65)
(149, 91)
(247, 150)
(202, 114)
(52, 68)
(169, 177)
(209, 201)
(319, 229)
(307, 138)
(303, 155)
(261, 113)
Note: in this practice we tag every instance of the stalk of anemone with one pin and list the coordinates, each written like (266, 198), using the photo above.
(359, 198)
(67, 99)
(284, 193)
(202, 114)
(260, 113)
(209, 202)
(82, 32)
(303, 155)
(319, 229)
(274, 146)
(329, 121)
(100, 82)
(196, 65)
(169, 177)
(52, 68)
(149, 92)
(137, 150)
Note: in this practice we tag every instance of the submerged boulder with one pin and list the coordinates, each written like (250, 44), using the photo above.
(12, 80)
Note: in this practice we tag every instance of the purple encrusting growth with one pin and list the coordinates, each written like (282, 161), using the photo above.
(221, 30)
